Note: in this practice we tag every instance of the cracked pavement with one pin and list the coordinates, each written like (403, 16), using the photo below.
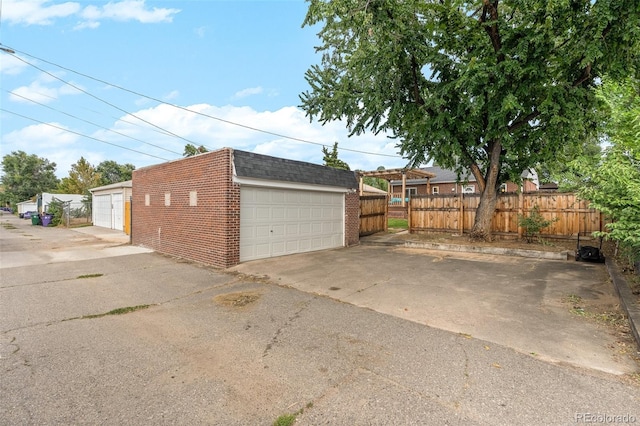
(194, 357)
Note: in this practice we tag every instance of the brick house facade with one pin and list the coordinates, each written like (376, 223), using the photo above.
(446, 182)
(191, 208)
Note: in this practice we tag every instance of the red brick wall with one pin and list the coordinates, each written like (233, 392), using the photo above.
(352, 218)
(208, 232)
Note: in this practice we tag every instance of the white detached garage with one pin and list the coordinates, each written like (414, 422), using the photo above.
(110, 206)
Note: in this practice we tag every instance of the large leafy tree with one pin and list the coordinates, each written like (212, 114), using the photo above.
(113, 172)
(26, 175)
(82, 177)
(487, 86)
(613, 186)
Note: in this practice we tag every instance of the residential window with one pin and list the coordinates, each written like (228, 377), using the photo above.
(410, 192)
(435, 190)
(468, 189)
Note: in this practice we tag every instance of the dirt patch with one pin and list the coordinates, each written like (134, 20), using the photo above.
(237, 300)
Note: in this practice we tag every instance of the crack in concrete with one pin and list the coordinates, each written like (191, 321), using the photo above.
(286, 324)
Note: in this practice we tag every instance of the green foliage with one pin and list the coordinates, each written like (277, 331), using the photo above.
(285, 420)
(377, 182)
(112, 172)
(82, 177)
(491, 87)
(331, 159)
(56, 208)
(534, 223)
(191, 150)
(613, 185)
(24, 176)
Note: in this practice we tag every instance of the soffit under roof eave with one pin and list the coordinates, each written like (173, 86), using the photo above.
(244, 181)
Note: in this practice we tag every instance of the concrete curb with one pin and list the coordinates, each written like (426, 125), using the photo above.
(626, 299)
(563, 255)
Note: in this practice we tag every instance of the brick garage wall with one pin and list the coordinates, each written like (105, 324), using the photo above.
(207, 232)
(352, 218)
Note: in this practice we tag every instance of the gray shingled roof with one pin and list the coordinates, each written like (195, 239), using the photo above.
(258, 166)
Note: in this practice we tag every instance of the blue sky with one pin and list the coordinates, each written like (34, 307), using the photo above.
(237, 62)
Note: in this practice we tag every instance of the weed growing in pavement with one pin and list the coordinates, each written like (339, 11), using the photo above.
(89, 276)
(289, 419)
(119, 311)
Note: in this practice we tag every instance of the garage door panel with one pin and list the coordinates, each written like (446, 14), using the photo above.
(275, 222)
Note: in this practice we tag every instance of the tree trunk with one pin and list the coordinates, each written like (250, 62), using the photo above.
(481, 230)
(488, 184)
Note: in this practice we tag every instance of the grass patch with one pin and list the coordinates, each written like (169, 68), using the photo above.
(89, 276)
(289, 419)
(119, 311)
(285, 420)
(398, 223)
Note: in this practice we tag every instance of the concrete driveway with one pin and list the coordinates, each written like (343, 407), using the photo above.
(521, 303)
(209, 347)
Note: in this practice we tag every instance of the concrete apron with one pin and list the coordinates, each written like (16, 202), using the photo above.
(61, 245)
(516, 302)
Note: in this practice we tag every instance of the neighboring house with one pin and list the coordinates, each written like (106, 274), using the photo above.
(446, 182)
(72, 201)
(111, 206)
(26, 206)
(228, 206)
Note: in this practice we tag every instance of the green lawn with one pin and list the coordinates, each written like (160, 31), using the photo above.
(398, 223)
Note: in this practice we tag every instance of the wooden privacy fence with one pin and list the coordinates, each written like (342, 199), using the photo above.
(373, 214)
(456, 213)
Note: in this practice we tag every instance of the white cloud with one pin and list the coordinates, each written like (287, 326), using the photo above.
(36, 12)
(128, 10)
(251, 91)
(171, 95)
(11, 65)
(92, 25)
(285, 133)
(42, 12)
(200, 31)
(44, 89)
(289, 134)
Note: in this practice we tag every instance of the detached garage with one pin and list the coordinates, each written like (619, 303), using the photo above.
(110, 206)
(231, 206)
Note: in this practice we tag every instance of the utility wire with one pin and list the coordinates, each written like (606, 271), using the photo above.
(92, 123)
(83, 135)
(186, 109)
(99, 99)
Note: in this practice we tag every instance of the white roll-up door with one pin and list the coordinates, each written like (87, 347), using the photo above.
(276, 222)
(102, 210)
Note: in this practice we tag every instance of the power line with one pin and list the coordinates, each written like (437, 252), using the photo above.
(99, 99)
(92, 123)
(83, 135)
(181, 108)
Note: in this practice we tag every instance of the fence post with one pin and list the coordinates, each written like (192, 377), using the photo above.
(461, 219)
(520, 213)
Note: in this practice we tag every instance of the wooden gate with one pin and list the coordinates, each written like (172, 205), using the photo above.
(373, 214)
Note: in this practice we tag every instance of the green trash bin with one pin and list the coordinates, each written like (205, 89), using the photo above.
(35, 219)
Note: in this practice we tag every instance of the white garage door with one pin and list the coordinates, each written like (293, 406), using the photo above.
(118, 211)
(102, 210)
(275, 222)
